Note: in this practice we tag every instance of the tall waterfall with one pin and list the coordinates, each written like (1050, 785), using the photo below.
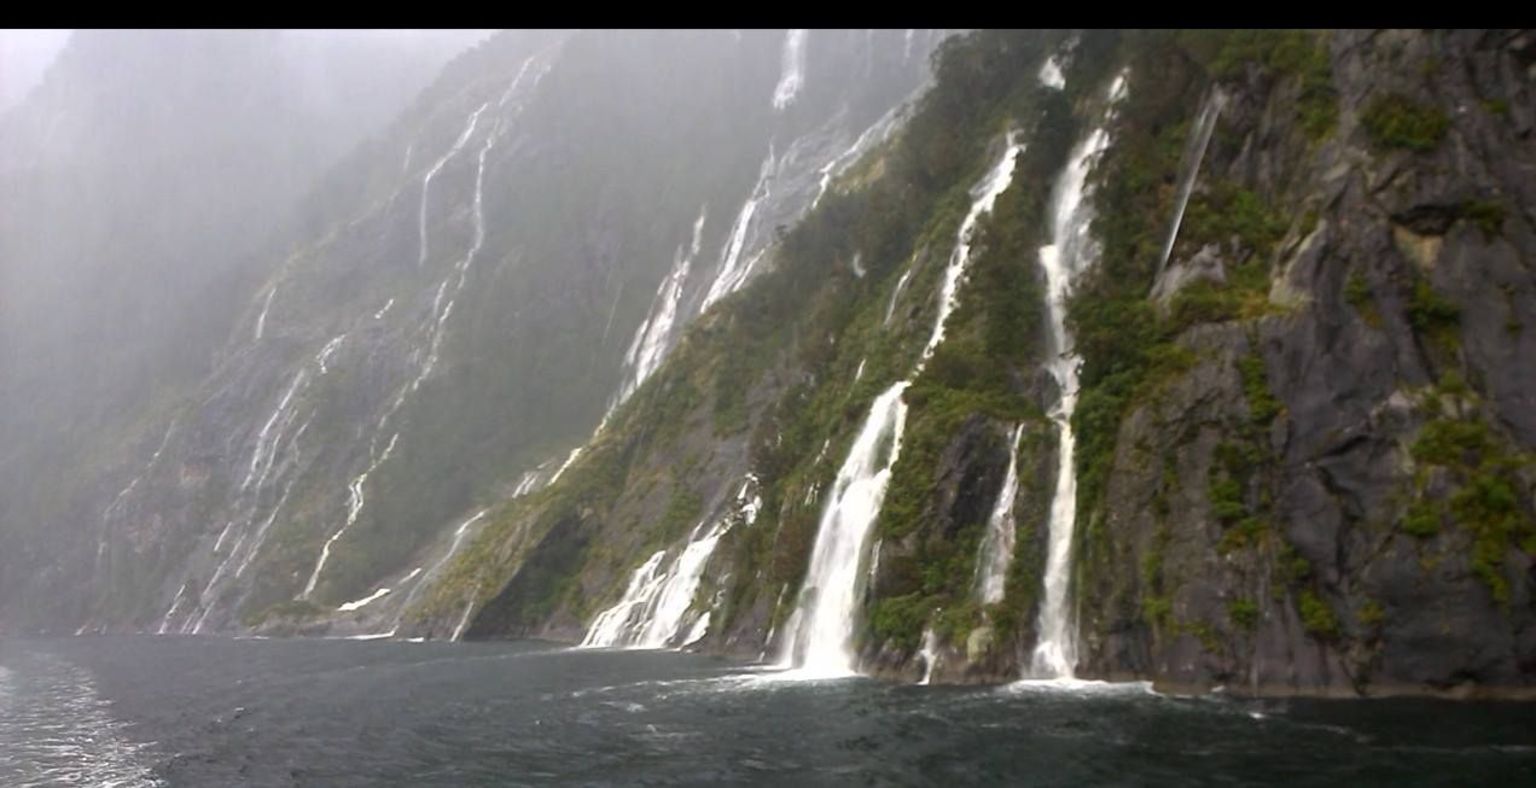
(1071, 251)
(820, 630)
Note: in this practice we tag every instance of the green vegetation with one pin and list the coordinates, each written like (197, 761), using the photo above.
(1486, 502)
(1422, 520)
(1488, 215)
(1262, 405)
(1371, 614)
(1357, 293)
(1244, 614)
(1317, 617)
(1397, 121)
(1296, 54)
(1433, 316)
(293, 609)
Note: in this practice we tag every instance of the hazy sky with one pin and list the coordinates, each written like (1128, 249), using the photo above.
(24, 55)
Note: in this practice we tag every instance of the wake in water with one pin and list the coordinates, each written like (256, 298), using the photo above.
(55, 729)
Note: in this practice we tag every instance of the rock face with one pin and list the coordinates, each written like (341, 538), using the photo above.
(471, 292)
(1343, 550)
(1303, 450)
(1304, 462)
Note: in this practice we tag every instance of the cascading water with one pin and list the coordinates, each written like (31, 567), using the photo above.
(821, 628)
(653, 613)
(1071, 251)
(732, 273)
(431, 574)
(997, 545)
(355, 501)
(266, 306)
(426, 181)
(324, 357)
(442, 308)
(349, 607)
(651, 338)
(569, 461)
(792, 75)
(1194, 155)
(930, 655)
(876, 134)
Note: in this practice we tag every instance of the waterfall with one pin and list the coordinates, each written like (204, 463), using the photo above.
(985, 193)
(792, 75)
(732, 274)
(426, 180)
(877, 133)
(997, 545)
(821, 628)
(569, 461)
(930, 655)
(361, 603)
(277, 449)
(266, 306)
(650, 343)
(453, 549)
(822, 625)
(355, 501)
(324, 356)
(1194, 155)
(1050, 74)
(609, 626)
(1071, 251)
(901, 284)
(120, 501)
(165, 621)
(458, 630)
(653, 613)
(267, 440)
(441, 312)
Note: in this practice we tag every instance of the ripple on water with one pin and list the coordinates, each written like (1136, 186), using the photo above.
(56, 729)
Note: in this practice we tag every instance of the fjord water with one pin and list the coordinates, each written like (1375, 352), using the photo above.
(211, 711)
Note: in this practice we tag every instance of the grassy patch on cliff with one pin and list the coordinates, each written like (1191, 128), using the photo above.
(1485, 499)
(1395, 121)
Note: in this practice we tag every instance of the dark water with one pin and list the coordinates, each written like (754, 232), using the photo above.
(194, 711)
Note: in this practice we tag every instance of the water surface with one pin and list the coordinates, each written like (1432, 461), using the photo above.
(210, 711)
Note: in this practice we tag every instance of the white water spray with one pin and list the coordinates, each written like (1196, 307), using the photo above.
(1071, 251)
(792, 74)
(930, 655)
(355, 501)
(362, 603)
(653, 613)
(261, 319)
(453, 550)
(649, 346)
(821, 628)
(732, 273)
(426, 181)
(1194, 155)
(997, 545)
(324, 357)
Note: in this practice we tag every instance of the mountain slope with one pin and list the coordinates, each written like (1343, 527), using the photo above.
(1293, 269)
(479, 285)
